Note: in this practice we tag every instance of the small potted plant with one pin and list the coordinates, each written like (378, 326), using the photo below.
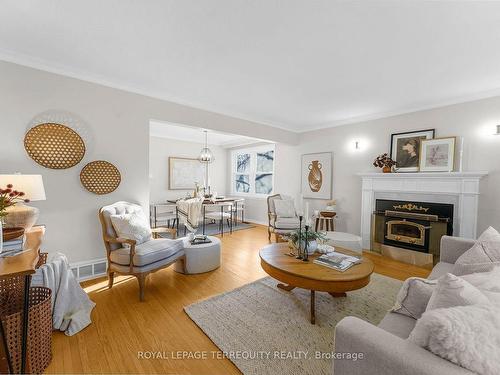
(385, 162)
(8, 198)
(312, 239)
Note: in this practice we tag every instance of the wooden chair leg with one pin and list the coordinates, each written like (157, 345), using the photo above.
(142, 286)
(111, 277)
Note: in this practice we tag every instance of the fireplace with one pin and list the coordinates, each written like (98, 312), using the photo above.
(411, 231)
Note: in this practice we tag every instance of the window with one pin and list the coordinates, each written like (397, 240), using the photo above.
(253, 170)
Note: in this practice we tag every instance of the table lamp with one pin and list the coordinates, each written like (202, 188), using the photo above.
(22, 215)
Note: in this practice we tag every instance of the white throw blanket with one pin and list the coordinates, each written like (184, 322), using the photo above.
(71, 307)
(190, 211)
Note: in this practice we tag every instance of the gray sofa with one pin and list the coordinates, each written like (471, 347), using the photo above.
(385, 348)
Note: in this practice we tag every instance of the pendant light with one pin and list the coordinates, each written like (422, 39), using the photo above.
(206, 155)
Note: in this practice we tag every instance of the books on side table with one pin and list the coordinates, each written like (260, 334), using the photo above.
(12, 247)
(199, 239)
(337, 261)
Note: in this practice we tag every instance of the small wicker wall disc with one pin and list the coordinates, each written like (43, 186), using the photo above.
(100, 177)
(54, 146)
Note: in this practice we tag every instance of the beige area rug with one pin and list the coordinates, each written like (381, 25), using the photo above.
(250, 324)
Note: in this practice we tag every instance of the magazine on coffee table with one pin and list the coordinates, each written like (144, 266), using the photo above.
(337, 261)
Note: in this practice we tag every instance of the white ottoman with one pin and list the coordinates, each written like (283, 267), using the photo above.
(200, 258)
(345, 240)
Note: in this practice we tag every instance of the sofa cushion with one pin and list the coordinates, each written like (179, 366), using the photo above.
(440, 269)
(287, 223)
(413, 297)
(148, 252)
(466, 335)
(453, 291)
(485, 250)
(467, 269)
(398, 324)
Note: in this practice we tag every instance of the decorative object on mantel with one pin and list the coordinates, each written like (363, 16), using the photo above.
(100, 177)
(405, 149)
(437, 155)
(23, 189)
(316, 175)
(385, 162)
(54, 146)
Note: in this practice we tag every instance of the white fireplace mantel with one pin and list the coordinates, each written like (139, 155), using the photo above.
(462, 188)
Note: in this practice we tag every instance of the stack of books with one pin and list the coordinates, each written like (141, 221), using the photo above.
(12, 247)
(337, 261)
(199, 239)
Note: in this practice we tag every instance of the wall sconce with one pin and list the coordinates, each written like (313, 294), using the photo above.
(498, 130)
(357, 146)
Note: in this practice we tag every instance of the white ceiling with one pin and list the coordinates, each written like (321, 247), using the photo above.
(296, 64)
(190, 134)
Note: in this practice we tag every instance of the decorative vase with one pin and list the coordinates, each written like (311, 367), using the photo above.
(315, 177)
(387, 169)
(312, 246)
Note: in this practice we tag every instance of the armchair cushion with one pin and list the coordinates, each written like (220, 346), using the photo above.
(148, 252)
(286, 223)
(133, 226)
(284, 208)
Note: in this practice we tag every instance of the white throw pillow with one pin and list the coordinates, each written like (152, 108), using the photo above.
(453, 291)
(468, 336)
(133, 226)
(416, 292)
(284, 208)
(485, 250)
(414, 296)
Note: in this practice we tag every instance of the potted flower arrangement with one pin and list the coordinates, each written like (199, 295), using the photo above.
(385, 162)
(312, 239)
(8, 198)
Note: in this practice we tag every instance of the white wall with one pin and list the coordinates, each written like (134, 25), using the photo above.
(119, 123)
(160, 149)
(475, 121)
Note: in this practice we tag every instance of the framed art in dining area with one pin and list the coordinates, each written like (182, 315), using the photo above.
(405, 149)
(183, 173)
(437, 155)
(316, 175)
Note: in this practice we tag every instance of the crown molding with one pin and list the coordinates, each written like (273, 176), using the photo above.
(39, 64)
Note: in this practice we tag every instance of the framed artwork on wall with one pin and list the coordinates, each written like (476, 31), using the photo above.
(316, 175)
(405, 149)
(184, 173)
(437, 155)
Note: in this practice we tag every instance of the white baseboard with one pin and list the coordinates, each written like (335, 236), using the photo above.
(251, 221)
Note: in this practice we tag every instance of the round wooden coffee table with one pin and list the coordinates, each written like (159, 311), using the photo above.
(295, 273)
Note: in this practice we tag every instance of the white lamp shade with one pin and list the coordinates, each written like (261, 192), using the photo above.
(30, 184)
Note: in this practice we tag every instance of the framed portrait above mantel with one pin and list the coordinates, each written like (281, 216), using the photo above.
(405, 149)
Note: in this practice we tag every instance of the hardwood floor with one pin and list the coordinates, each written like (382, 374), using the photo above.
(123, 327)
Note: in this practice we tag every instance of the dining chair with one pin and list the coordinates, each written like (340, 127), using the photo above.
(219, 212)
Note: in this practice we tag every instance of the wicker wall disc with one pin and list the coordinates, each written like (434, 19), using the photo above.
(100, 177)
(54, 146)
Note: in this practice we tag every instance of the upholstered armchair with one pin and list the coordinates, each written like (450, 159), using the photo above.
(282, 216)
(128, 257)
